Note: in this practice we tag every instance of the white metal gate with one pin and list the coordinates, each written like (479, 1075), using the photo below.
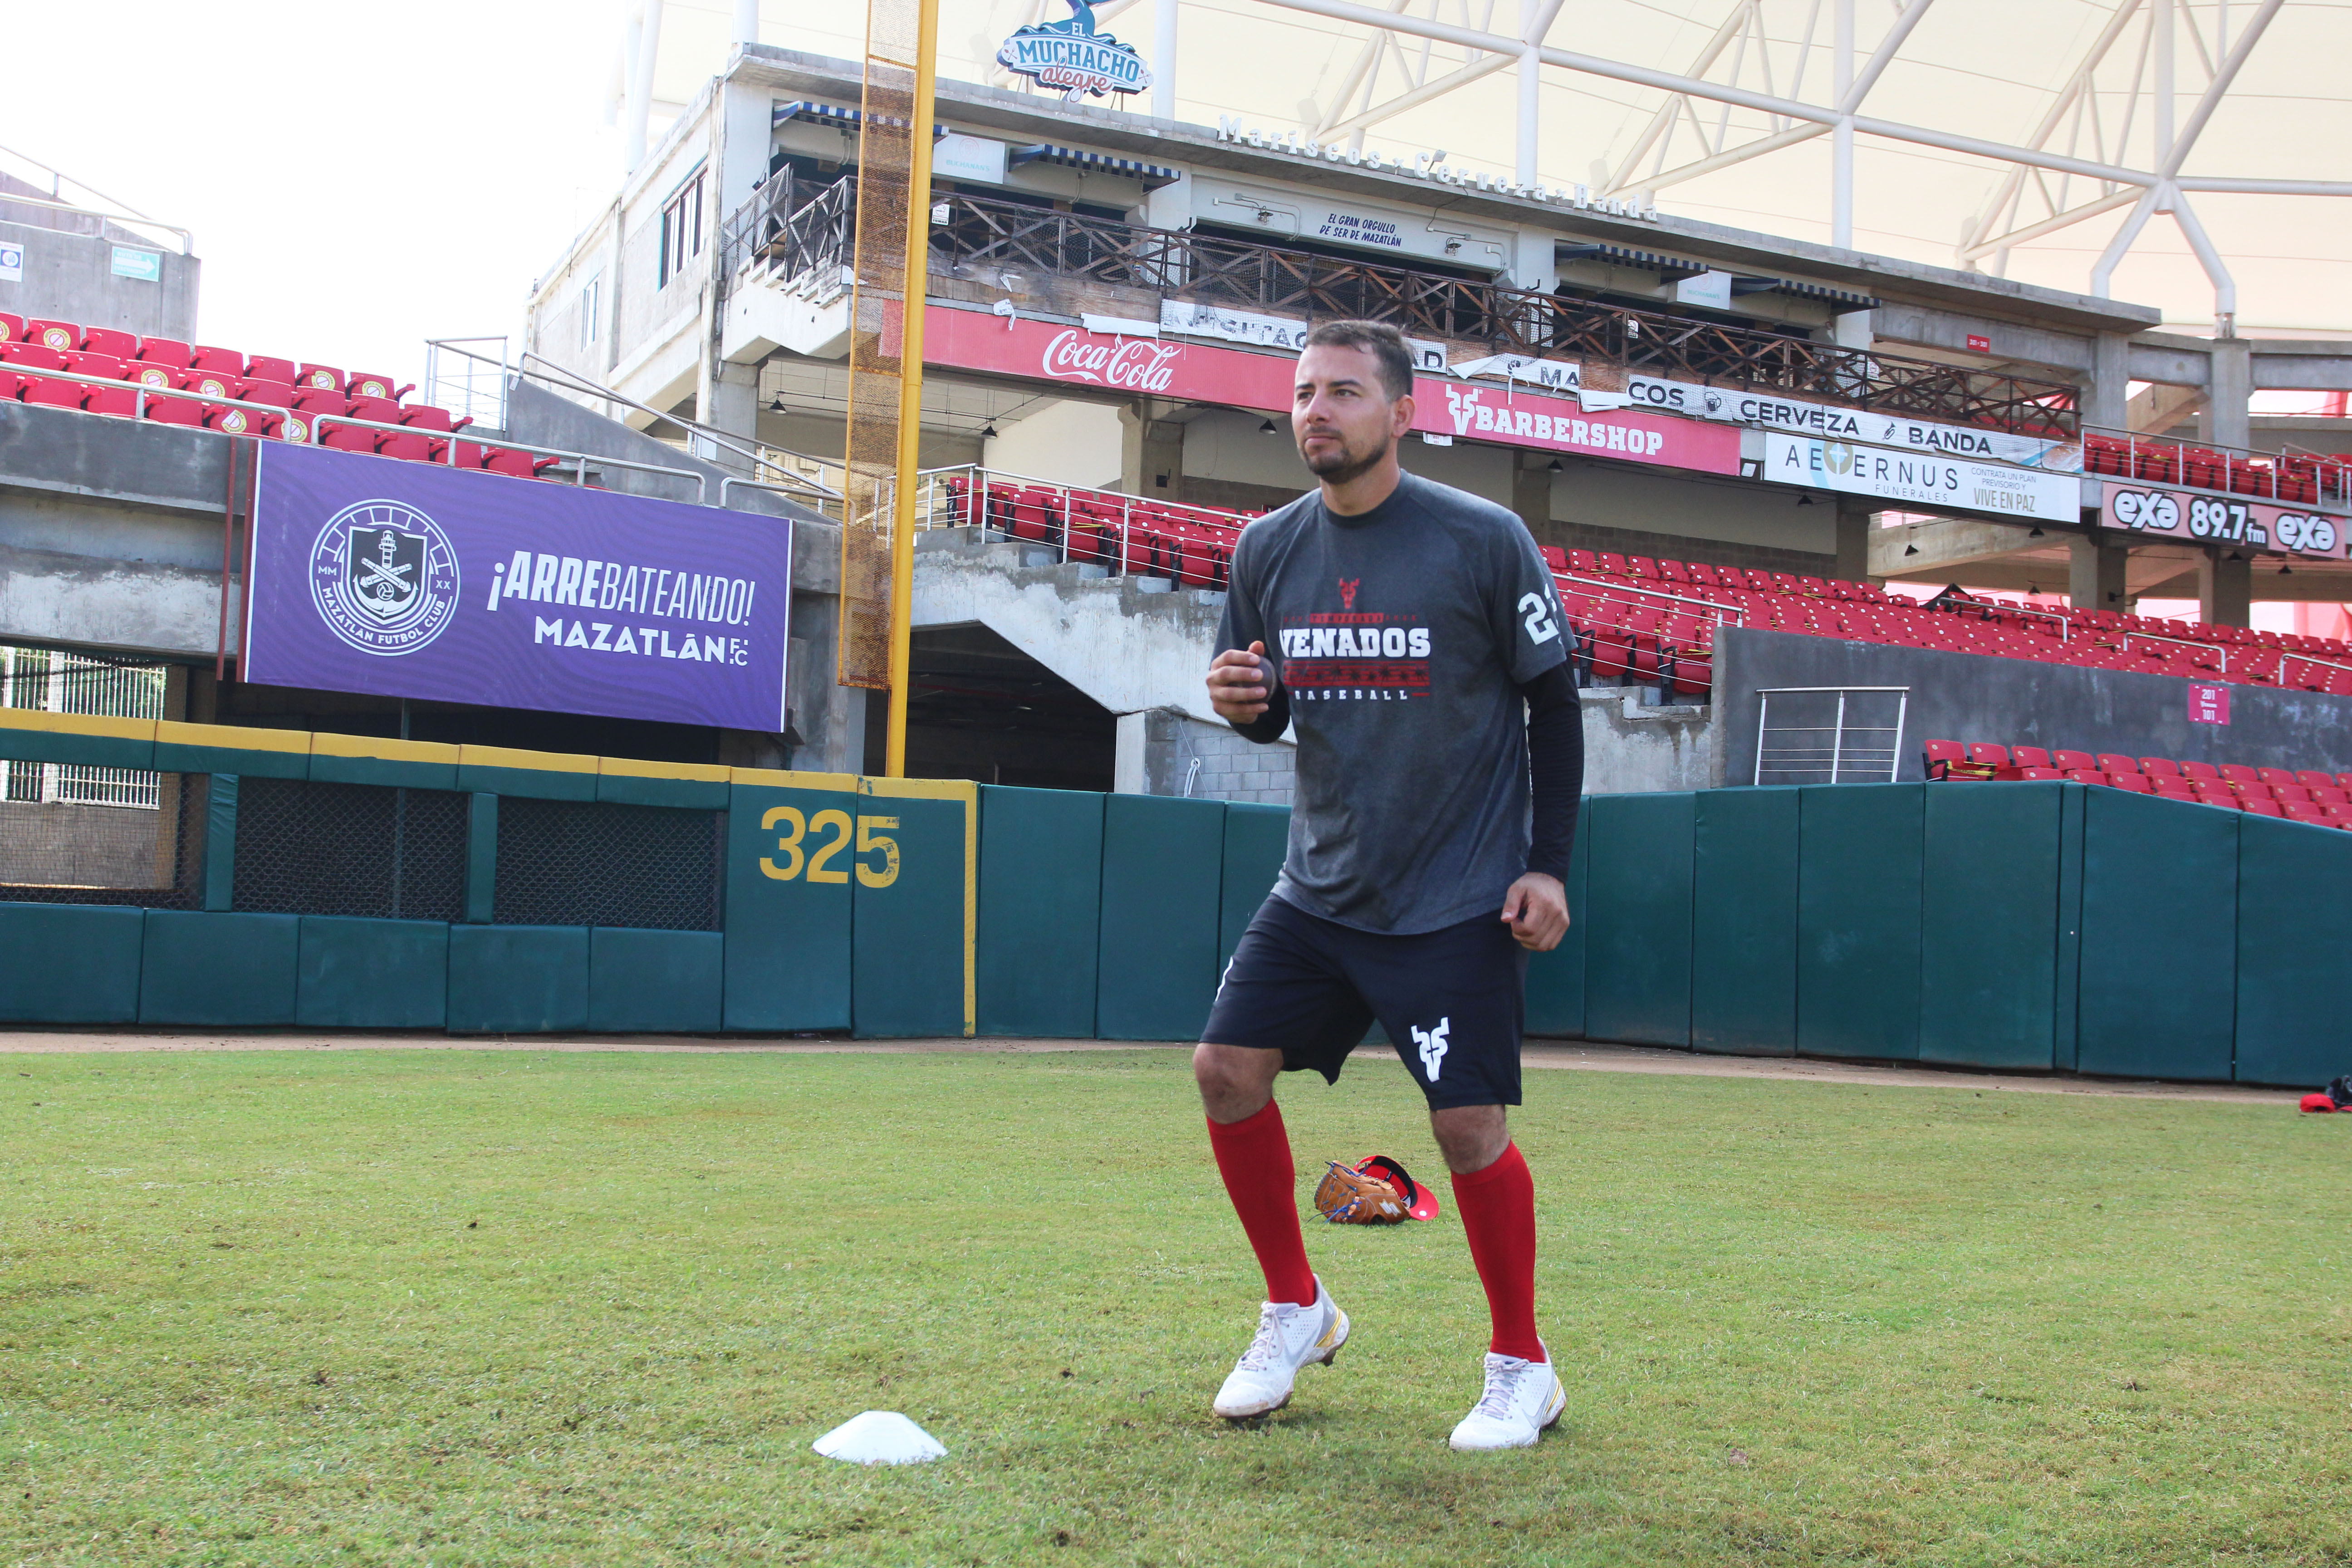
(55, 681)
(1830, 734)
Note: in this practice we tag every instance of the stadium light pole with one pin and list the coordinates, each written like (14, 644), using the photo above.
(910, 390)
(1163, 61)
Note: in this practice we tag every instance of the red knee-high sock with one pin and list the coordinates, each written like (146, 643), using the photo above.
(1254, 1156)
(1498, 1213)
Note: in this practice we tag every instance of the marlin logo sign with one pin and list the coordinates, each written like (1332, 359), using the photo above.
(1074, 58)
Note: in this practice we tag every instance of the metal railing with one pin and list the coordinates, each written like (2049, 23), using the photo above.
(54, 680)
(1837, 746)
(2289, 477)
(301, 426)
(794, 230)
(1126, 535)
(467, 383)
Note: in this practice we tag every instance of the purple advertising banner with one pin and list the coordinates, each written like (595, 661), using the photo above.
(406, 580)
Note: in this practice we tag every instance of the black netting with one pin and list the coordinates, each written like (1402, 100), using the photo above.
(593, 863)
(72, 834)
(308, 848)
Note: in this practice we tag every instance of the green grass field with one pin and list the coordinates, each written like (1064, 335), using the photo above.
(458, 1308)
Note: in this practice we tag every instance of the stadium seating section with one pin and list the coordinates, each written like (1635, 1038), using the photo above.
(2289, 477)
(1644, 621)
(61, 365)
(2307, 795)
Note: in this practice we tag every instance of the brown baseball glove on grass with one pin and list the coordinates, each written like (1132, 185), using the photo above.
(1349, 1197)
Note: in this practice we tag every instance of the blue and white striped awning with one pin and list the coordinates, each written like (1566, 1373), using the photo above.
(1095, 164)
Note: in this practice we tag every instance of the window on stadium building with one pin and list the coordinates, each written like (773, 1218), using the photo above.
(681, 229)
(592, 304)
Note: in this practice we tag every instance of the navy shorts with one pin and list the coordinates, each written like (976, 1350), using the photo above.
(1452, 1001)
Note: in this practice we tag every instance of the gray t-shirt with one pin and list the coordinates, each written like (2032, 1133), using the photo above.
(1401, 637)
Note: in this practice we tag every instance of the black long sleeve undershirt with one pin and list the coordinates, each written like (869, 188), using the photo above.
(1555, 764)
(1555, 756)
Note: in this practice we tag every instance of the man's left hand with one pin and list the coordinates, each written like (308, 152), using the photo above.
(1536, 909)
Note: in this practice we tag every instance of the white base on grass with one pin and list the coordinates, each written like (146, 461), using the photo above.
(879, 1437)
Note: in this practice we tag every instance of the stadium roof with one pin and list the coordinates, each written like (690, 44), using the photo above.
(2016, 136)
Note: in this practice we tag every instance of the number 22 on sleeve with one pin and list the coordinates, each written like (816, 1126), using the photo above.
(816, 860)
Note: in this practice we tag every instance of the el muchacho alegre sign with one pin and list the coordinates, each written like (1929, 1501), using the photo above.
(1072, 56)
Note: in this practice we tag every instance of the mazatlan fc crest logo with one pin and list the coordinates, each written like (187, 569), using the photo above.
(384, 577)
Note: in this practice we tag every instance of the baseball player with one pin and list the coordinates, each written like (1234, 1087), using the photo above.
(1410, 634)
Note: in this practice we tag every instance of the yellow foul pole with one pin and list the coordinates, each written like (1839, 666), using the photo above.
(910, 389)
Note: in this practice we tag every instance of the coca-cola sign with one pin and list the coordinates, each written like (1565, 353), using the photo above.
(1130, 365)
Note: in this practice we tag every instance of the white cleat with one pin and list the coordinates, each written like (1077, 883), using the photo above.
(1288, 1337)
(1523, 1399)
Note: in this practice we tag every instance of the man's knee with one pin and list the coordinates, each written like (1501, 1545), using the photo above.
(1234, 1081)
(1470, 1137)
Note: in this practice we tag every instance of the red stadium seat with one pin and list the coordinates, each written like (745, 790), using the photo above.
(2029, 757)
(263, 367)
(2261, 808)
(236, 421)
(11, 327)
(168, 351)
(520, 465)
(2284, 793)
(25, 357)
(2033, 775)
(1581, 560)
(59, 335)
(275, 394)
(2200, 771)
(151, 375)
(2240, 775)
(2330, 794)
(2073, 762)
(319, 375)
(175, 411)
(1554, 556)
(2086, 775)
(1941, 754)
(227, 361)
(345, 438)
(2160, 767)
(426, 417)
(2276, 777)
(368, 383)
(2300, 811)
(107, 341)
(1989, 755)
(2137, 783)
(315, 400)
(2111, 762)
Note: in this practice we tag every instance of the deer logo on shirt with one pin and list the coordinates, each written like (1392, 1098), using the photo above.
(1430, 1043)
(1348, 592)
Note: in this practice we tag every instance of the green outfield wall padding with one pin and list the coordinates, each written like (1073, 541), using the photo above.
(1858, 867)
(1555, 979)
(654, 981)
(372, 973)
(2066, 1006)
(34, 745)
(517, 980)
(1162, 893)
(1744, 922)
(787, 932)
(245, 761)
(1257, 838)
(220, 842)
(2295, 952)
(692, 794)
(911, 923)
(386, 771)
(536, 783)
(1637, 953)
(2159, 938)
(218, 970)
(481, 859)
(1040, 911)
(69, 963)
(1988, 925)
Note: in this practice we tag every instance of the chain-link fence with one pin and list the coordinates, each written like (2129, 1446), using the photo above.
(305, 849)
(594, 863)
(58, 851)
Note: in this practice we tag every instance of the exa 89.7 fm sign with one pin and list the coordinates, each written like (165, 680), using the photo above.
(2224, 519)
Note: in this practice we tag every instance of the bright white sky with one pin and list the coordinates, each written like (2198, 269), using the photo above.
(361, 177)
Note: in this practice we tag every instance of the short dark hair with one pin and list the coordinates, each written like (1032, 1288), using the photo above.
(1382, 341)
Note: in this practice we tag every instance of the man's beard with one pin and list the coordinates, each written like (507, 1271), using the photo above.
(1345, 467)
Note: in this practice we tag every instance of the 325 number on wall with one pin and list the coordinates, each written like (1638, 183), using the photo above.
(810, 844)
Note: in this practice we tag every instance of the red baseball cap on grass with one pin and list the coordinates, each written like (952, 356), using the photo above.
(1420, 1203)
(2318, 1102)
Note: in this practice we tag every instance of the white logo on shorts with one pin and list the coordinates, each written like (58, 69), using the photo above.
(1432, 1045)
